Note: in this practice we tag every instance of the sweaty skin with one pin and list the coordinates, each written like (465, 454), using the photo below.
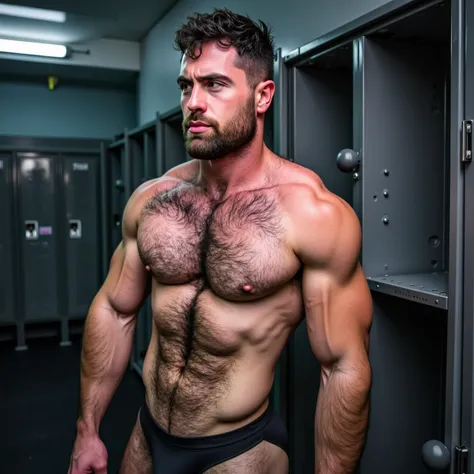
(234, 253)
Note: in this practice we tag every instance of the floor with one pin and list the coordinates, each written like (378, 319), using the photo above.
(39, 394)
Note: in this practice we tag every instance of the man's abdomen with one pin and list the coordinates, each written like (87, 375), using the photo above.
(210, 364)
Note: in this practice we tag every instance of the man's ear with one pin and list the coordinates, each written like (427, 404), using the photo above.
(264, 95)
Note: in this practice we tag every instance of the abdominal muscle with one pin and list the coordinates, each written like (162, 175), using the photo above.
(219, 379)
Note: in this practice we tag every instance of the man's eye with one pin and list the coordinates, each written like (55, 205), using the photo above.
(213, 84)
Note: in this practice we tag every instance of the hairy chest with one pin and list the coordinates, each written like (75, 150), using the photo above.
(237, 247)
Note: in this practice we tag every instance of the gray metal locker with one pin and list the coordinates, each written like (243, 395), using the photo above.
(81, 232)
(132, 160)
(7, 249)
(320, 124)
(404, 207)
(150, 151)
(462, 200)
(372, 112)
(173, 148)
(39, 235)
(268, 136)
(321, 116)
(143, 161)
(137, 160)
(118, 157)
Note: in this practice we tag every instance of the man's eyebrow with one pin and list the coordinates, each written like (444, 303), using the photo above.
(207, 77)
(182, 79)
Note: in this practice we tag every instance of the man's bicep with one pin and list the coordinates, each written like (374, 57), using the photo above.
(127, 282)
(338, 313)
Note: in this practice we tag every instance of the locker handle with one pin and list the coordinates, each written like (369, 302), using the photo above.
(75, 229)
(31, 230)
(348, 160)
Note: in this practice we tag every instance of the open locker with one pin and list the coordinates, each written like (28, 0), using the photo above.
(321, 115)
(403, 196)
(405, 149)
(320, 124)
(380, 135)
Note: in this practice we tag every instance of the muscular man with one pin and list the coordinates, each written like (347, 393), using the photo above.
(236, 247)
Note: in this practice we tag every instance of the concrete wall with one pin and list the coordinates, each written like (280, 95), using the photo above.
(294, 23)
(29, 108)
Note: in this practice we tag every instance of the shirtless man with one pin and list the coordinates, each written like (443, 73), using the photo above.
(236, 247)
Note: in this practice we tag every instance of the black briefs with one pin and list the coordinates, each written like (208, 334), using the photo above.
(194, 455)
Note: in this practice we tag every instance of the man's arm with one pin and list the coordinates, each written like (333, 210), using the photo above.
(110, 324)
(338, 310)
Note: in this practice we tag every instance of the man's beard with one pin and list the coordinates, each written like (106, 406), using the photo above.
(216, 143)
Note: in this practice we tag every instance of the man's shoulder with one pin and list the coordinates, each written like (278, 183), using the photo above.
(169, 180)
(320, 219)
(146, 191)
(304, 190)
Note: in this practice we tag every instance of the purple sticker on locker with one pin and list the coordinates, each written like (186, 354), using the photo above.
(46, 230)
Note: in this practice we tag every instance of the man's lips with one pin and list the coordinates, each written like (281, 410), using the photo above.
(198, 127)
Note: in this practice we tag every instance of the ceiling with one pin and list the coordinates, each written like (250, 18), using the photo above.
(87, 20)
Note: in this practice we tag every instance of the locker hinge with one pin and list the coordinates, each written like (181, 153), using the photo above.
(462, 454)
(466, 152)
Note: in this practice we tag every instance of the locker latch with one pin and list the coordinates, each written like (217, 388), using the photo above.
(466, 152)
(75, 229)
(461, 459)
(31, 230)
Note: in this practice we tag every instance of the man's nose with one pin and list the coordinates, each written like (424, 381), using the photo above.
(197, 100)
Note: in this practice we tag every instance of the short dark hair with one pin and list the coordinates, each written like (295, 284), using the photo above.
(253, 41)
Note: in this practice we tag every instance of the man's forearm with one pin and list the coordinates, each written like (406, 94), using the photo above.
(341, 419)
(106, 349)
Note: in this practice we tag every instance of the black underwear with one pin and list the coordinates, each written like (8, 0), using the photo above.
(195, 455)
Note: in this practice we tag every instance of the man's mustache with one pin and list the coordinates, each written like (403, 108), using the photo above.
(197, 118)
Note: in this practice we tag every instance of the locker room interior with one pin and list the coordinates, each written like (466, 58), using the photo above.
(374, 96)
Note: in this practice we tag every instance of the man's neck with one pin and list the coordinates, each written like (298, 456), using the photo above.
(234, 172)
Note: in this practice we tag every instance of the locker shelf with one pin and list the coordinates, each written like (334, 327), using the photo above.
(426, 288)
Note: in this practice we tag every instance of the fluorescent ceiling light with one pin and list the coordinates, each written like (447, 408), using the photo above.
(32, 13)
(35, 49)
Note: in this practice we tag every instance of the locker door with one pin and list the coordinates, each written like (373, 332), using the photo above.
(37, 195)
(7, 251)
(465, 195)
(81, 232)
